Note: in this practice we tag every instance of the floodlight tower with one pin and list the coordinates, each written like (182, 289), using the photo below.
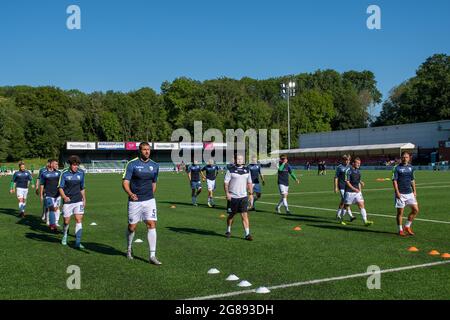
(287, 91)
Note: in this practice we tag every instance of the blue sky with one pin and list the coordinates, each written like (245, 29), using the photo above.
(125, 45)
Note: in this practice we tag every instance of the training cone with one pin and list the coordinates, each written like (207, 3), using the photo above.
(433, 253)
(222, 216)
(262, 290)
(173, 206)
(413, 249)
(93, 224)
(244, 283)
(232, 277)
(138, 241)
(445, 255)
(297, 228)
(213, 271)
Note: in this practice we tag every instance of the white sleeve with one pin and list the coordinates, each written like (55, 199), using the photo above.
(227, 177)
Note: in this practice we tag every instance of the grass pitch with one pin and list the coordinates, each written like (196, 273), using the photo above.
(191, 240)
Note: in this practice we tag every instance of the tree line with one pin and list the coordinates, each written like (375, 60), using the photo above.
(37, 121)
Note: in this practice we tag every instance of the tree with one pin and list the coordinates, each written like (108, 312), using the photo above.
(424, 97)
(12, 139)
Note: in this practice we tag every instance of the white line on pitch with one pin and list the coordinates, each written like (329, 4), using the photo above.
(304, 283)
(373, 214)
(330, 191)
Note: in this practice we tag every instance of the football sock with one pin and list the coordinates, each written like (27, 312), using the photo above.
(52, 217)
(65, 229)
(151, 236)
(229, 229)
(285, 203)
(78, 233)
(247, 231)
(194, 199)
(339, 212)
(349, 212)
(400, 228)
(130, 237)
(20, 206)
(364, 215)
(57, 215)
(408, 224)
(280, 203)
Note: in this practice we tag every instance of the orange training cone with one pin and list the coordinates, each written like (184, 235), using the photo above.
(297, 228)
(445, 256)
(433, 253)
(413, 249)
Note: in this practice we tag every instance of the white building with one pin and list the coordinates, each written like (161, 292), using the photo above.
(425, 135)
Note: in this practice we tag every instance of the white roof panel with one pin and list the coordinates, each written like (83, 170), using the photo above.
(400, 146)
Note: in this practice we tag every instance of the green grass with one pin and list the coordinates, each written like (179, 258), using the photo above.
(191, 241)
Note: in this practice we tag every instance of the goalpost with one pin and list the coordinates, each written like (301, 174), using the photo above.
(106, 166)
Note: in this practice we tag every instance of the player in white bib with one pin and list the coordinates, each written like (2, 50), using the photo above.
(236, 184)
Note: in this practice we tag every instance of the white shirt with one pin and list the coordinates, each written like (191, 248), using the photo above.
(237, 179)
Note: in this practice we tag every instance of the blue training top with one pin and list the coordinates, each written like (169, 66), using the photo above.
(404, 175)
(354, 177)
(72, 184)
(340, 175)
(141, 175)
(49, 180)
(21, 178)
(211, 171)
(194, 169)
(255, 171)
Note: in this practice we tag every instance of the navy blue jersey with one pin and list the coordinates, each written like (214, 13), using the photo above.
(283, 175)
(141, 175)
(230, 166)
(72, 183)
(340, 175)
(194, 169)
(41, 170)
(211, 171)
(404, 175)
(49, 180)
(353, 176)
(255, 171)
(21, 178)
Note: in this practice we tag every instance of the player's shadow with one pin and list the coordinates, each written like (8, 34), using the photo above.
(105, 249)
(9, 211)
(42, 237)
(34, 223)
(196, 231)
(189, 204)
(350, 228)
(308, 218)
